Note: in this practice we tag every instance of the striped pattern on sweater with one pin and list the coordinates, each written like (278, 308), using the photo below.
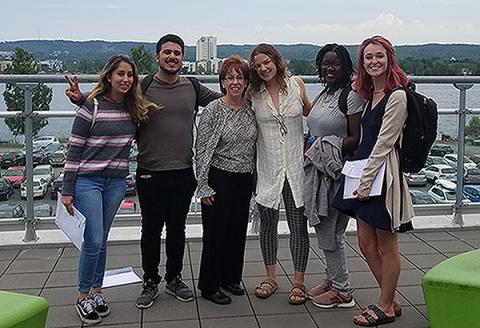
(102, 150)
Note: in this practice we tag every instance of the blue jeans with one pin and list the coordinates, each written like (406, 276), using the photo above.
(98, 199)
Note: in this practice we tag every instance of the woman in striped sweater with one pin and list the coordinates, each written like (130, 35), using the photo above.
(96, 168)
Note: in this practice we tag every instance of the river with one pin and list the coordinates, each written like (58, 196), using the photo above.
(446, 96)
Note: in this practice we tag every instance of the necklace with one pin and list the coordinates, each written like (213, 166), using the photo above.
(377, 92)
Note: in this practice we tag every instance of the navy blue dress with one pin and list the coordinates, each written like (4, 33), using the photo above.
(373, 210)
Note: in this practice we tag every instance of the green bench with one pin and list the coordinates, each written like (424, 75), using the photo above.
(452, 292)
(22, 311)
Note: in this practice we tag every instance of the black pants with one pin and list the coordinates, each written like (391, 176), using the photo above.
(165, 200)
(225, 229)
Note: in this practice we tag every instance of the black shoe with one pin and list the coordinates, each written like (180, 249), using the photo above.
(100, 304)
(148, 295)
(233, 288)
(86, 312)
(218, 297)
(176, 287)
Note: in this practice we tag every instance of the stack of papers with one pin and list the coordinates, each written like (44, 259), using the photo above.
(122, 276)
(72, 226)
(353, 172)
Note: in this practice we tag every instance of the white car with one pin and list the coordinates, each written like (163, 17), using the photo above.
(445, 191)
(44, 141)
(452, 161)
(39, 188)
(416, 179)
(44, 172)
(440, 171)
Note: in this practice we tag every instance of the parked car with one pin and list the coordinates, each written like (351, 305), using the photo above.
(472, 192)
(421, 197)
(44, 172)
(444, 191)
(16, 175)
(39, 156)
(43, 210)
(53, 147)
(439, 149)
(8, 211)
(435, 160)
(44, 141)
(57, 186)
(472, 176)
(452, 161)
(131, 189)
(12, 158)
(57, 158)
(475, 159)
(416, 179)
(127, 206)
(440, 171)
(40, 187)
(6, 189)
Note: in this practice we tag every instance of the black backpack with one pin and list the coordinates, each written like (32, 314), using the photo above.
(419, 132)
(147, 80)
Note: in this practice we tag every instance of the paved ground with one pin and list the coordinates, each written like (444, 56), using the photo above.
(50, 272)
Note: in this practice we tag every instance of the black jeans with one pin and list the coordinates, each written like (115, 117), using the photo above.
(225, 229)
(165, 198)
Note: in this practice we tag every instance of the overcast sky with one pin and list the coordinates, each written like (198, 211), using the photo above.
(244, 22)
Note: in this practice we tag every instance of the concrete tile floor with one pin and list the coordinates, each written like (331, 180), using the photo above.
(50, 271)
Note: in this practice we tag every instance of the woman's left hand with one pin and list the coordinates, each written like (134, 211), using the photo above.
(360, 196)
(208, 200)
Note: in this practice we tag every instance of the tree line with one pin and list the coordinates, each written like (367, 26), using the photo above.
(24, 63)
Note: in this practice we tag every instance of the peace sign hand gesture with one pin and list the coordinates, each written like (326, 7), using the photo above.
(73, 91)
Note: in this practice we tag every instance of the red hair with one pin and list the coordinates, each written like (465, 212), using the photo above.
(396, 77)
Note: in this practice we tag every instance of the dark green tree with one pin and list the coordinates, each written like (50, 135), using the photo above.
(473, 128)
(23, 63)
(301, 67)
(143, 58)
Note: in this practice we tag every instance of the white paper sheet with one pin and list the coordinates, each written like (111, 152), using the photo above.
(72, 226)
(353, 171)
(121, 276)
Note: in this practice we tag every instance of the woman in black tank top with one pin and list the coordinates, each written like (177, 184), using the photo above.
(379, 79)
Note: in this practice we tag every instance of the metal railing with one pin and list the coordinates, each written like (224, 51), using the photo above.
(28, 82)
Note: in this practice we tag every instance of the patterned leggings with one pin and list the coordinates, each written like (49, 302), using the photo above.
(297, 223)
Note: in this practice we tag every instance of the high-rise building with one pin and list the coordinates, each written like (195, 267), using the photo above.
(206, 48)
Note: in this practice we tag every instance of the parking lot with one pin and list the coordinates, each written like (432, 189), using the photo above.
(131, 206)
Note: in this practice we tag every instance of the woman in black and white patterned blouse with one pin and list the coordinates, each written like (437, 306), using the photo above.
(225, 161)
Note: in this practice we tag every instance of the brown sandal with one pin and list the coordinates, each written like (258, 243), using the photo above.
(298, 294)
(268, 286)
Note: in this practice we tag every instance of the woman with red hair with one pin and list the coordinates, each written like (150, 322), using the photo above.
(382, 83)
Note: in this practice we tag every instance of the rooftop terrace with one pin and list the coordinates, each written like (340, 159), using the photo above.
(49, 270)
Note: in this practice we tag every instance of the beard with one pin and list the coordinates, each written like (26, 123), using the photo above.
(166, 70)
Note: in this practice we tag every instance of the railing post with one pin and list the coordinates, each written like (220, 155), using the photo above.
(462, 117)
(29, 220)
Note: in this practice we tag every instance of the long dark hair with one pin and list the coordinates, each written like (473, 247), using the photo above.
(346, 62)
(137, 105)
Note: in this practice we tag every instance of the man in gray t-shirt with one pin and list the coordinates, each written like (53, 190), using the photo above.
(165, 178)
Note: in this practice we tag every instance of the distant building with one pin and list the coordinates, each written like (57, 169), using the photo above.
(4, 64)
(206, 48)
(207, 61)
(6, 55)
(50, 66)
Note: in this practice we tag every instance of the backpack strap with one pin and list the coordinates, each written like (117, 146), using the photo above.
(147, 80)
(94, 114)
(343, 99)
(196, 87)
